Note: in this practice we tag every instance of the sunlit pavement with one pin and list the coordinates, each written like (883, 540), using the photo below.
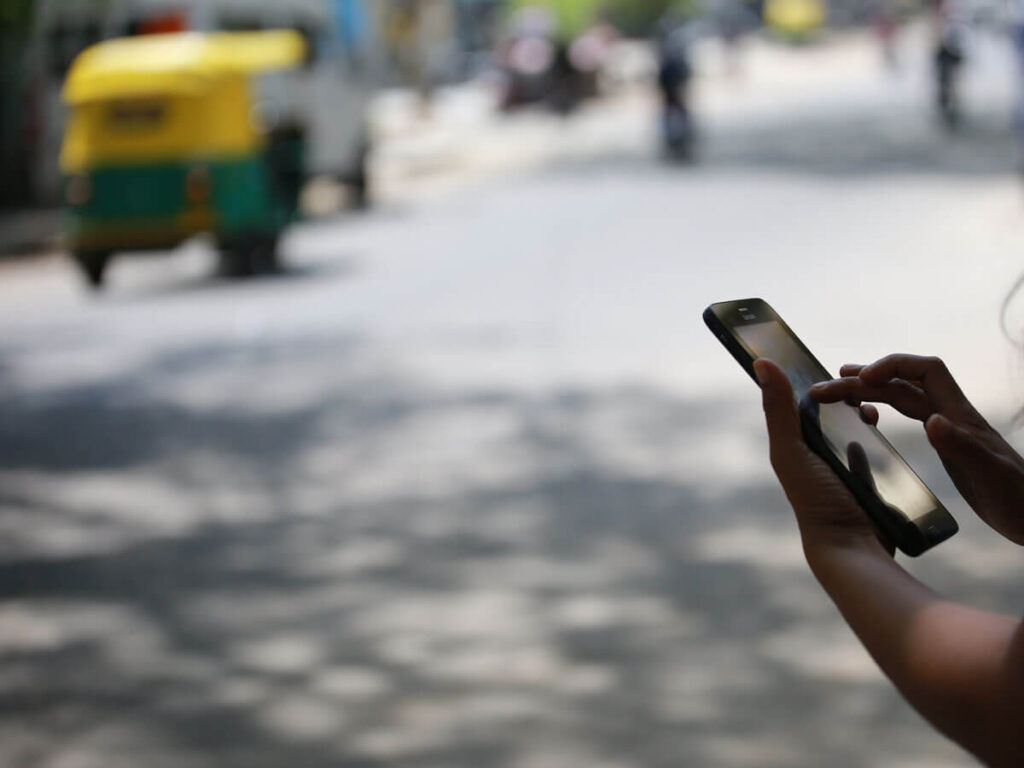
(470, 485)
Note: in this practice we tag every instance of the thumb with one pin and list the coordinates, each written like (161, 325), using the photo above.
(781, 415)
(955, 445)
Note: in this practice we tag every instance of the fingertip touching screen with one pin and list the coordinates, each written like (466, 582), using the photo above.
(861, 448)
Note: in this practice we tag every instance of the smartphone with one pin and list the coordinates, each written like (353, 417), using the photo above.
(905, 511)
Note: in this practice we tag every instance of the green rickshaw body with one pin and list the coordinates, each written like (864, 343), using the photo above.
(148, 207)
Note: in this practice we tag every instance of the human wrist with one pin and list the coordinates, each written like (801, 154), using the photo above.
(825, 546)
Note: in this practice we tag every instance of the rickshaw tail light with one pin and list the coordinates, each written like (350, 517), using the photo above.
(198, 185)
(79, 190)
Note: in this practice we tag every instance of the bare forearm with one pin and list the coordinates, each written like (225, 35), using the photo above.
(962, 669)
(954, 664)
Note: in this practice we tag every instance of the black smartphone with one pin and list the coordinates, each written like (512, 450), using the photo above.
(902, 507)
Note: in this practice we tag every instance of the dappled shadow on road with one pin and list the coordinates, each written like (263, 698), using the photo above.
(116, 424)
(376, 572)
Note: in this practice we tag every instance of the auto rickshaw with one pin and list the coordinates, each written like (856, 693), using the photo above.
(168, 137)
(795, 20)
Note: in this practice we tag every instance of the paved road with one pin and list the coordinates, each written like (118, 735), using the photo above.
(470, 485)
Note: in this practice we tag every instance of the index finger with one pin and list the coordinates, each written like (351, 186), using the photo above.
(905, 397)
(930, 373)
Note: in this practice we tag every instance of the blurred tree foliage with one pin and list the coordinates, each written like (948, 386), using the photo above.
(15, 13)
(640, 17)
(633, 17)
(573, 15)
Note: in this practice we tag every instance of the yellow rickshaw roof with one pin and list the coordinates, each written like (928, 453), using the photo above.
(183, 64)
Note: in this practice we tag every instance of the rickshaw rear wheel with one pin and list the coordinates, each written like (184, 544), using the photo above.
(232, 261)
(263, 256)
(248, 256)
(93, 265)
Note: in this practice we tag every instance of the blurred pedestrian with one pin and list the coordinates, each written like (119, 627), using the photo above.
(1017, 25)
(733, 19)
(949, 59)
(886, 27)
(961, 668)
(589, 55)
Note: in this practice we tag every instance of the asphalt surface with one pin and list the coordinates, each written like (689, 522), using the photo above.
(469, 484)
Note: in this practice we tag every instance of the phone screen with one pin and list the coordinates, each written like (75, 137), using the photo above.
(860, 446)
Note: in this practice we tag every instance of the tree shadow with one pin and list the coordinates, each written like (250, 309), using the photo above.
(434, 577)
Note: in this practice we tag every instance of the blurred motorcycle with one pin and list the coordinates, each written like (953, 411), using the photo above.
(674, 75)
(527, 57)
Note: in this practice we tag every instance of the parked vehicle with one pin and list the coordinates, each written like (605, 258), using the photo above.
(173, 135)
(344, 64)
(527, 58)
(795, 20)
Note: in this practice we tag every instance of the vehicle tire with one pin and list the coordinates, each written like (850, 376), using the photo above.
(263, 256)
(234, 260)
(93, 265)
(251, 255)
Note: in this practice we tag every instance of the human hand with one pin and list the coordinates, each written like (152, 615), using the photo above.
(986, 470)
(827, 513)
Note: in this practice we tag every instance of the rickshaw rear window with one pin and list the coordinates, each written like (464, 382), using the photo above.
(137, 115)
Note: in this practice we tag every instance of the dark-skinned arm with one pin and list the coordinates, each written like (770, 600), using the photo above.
(961, 668)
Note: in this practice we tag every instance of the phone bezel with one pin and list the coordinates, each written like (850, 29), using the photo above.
(912, 536)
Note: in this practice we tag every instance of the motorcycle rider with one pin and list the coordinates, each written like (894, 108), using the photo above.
(674, 75)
